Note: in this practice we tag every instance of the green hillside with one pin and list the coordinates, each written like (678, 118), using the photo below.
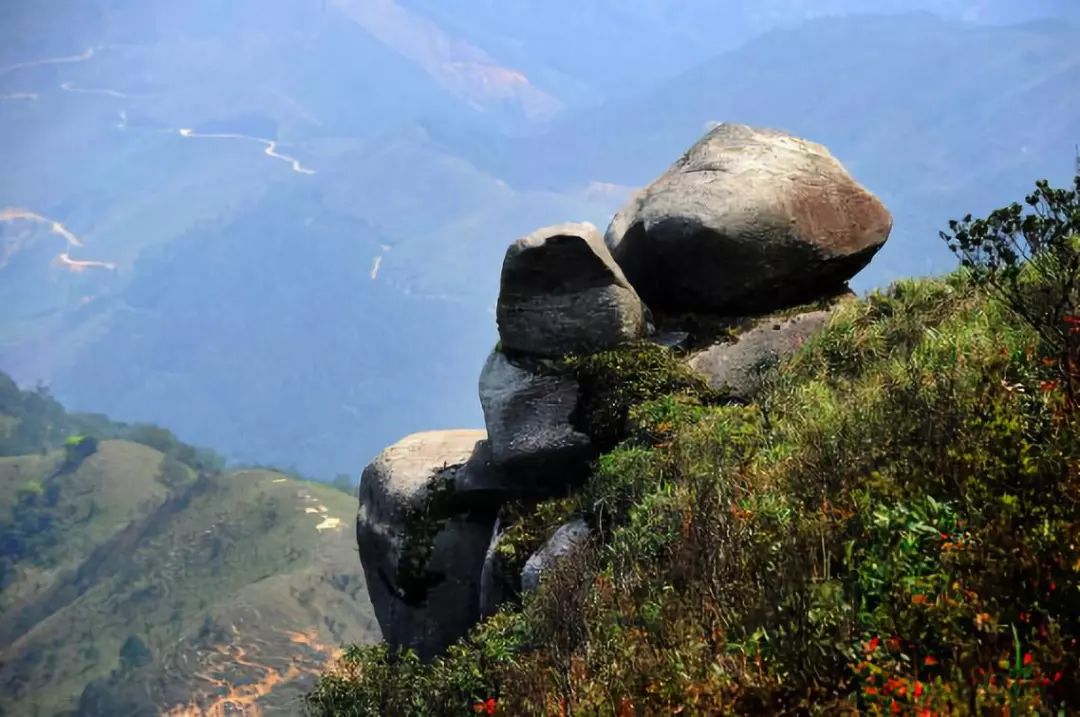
(892, 526)
(139, 578)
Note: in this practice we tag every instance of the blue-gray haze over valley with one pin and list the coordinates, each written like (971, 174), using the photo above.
(276, 227)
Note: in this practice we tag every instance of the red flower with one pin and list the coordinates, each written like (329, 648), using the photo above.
(929, 661)
(1058, 675)
(486, 707)
(894, 708)
(1027, 659)
(918, 689)
(873, 644)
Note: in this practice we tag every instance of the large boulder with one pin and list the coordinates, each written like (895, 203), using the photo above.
(737, 368)
(566, 541)
(528, 412)
(422, 541)
(562, 292)
(747, 221)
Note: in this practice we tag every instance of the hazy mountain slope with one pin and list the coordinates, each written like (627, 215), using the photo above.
(132, 578)
(929, 114)
(97, 145)
(603, 49)
(222, 288)
(99, 150)
(323, 321)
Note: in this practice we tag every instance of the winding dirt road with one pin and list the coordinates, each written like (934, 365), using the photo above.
(13, 214)
(70, 87)
(270, 151)
(82, 57)
(78, 265)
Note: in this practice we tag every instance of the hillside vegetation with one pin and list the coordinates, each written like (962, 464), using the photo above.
(892, 527)
(138, 577)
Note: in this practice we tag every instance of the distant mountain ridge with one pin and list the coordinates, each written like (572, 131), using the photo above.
(930, 113)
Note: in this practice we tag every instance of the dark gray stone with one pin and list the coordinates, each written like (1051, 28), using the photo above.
(528, 416)
(422, 542)
(737, 368)
(561, 292)
(567, 539)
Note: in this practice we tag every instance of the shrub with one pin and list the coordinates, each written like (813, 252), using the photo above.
(614, 381)
(1030, 260)
(77, 449)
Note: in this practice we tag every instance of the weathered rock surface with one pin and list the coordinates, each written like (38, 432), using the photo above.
(736, 368)
(562, 292)
(422, 542)
(747, 221)
(528, 419)
(567, 539)
(494, 582)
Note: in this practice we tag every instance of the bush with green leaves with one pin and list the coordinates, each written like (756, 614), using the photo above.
(1028, 256)
(614, 381)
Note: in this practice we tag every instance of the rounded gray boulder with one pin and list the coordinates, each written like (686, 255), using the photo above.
(747, 221)
(422, 541)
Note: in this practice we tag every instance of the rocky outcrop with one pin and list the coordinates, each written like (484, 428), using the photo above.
(565, 541)
(736, 368)
(561, 292)
(527, 411)
(422, 541)
(747, 221)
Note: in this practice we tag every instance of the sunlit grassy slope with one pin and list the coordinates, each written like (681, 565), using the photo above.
(890, 528)
(136, 584)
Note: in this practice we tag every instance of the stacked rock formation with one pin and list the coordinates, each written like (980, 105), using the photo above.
(561, 293)
(748, 221)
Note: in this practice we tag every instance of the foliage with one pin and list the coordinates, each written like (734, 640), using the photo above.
(614, 381)
(1031, 261)
(372, 681)
(892, 528)
(345, 483)
(34, 422)
(76, 449)
(134, 653)
(526, 525)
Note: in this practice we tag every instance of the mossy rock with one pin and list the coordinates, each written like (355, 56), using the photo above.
(612, 382)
